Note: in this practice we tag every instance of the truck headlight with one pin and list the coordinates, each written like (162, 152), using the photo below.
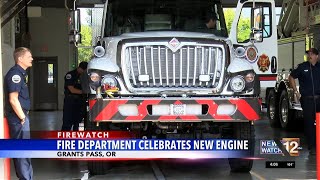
(94, 80)
(99, 51)
(237, 84)
(94, 77)
(249, 77)
(240, 52)
(109, 82)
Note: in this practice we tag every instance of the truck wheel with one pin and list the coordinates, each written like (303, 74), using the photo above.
(243, 131)
(286, 114)
(98, 167)
(273, 109)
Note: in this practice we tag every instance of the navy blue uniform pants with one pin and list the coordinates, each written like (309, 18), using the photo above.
(309, 117)
(22, 166)
(72, 113)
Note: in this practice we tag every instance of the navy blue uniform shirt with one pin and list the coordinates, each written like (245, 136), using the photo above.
(16, 81)
(72, 78)
(303, 72)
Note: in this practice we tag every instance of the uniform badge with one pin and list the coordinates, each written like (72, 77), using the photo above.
(26, 79)
(263, 63)
(16, 78)
(68, 76)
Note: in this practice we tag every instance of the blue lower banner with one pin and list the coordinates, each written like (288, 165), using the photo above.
(124, 148)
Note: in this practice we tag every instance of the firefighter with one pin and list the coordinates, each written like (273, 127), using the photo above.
(211, 21)
(84, 79)
(308, 74)
(17, 106)
(73, 99)
(205, 24)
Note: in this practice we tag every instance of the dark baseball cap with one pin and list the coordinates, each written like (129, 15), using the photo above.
(83, 65)
(313, 50)
(207, 15)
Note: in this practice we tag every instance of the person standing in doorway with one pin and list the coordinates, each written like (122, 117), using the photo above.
(308, 74)
(73, 98)
(17, 106)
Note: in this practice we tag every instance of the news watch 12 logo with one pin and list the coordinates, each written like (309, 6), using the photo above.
(291, 145)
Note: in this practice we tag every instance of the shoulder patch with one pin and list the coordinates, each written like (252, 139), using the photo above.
(16, 78)
(68, 76)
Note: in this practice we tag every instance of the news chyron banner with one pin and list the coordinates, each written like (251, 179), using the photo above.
(113, 145)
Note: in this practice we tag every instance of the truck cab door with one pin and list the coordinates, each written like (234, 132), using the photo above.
(254, 19)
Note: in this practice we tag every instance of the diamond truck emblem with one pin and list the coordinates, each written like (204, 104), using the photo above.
(173, 44)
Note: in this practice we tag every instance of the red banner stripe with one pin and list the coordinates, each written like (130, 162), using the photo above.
(213, 107)
(177, 102)
(6, 161)
(92, 103)
(268, 78)
(110, 110)
(142, 109)
(245, 109)
(187, 117)
(169, 118)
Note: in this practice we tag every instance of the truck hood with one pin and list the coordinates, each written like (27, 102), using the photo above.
(171, 34)
(108, 61)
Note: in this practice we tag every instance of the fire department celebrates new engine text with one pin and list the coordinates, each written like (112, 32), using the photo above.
(155, 144)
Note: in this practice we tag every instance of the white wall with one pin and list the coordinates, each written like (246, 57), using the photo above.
(7, 46)
(6, 61)
(50, 31)
(2, 161)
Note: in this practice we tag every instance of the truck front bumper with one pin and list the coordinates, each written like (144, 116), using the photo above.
(174, 109)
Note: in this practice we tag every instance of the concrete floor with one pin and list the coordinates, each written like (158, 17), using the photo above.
(173, 169)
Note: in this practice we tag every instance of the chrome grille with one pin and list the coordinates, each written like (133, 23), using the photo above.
(157, 66)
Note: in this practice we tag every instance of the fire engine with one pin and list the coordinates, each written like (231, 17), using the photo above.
(160, 72)
(298, 30)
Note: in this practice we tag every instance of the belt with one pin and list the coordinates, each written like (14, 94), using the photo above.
(74, 95)
(12, 112)
(26, 111)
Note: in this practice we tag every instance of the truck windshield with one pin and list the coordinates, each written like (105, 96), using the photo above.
(124, 16)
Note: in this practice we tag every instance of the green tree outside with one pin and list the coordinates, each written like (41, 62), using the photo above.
(85, 54)
(244, 25)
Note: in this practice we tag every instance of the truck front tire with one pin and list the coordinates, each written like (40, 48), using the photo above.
(286, 114)
(97, 167)
(273, 109)
(243, 131)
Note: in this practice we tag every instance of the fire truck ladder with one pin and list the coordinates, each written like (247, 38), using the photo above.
(288, 18)
(308, 13)
(314, 12)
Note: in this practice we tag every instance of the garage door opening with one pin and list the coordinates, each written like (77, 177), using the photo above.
(45, 83)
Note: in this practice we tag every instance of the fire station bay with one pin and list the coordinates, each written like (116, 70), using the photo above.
(159, 89)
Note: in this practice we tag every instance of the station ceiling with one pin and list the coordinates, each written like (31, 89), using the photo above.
(88, 3)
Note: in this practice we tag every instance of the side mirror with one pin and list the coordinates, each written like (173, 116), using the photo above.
(74, 26)
(257, 24)
(256, 36)
(257, 21)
